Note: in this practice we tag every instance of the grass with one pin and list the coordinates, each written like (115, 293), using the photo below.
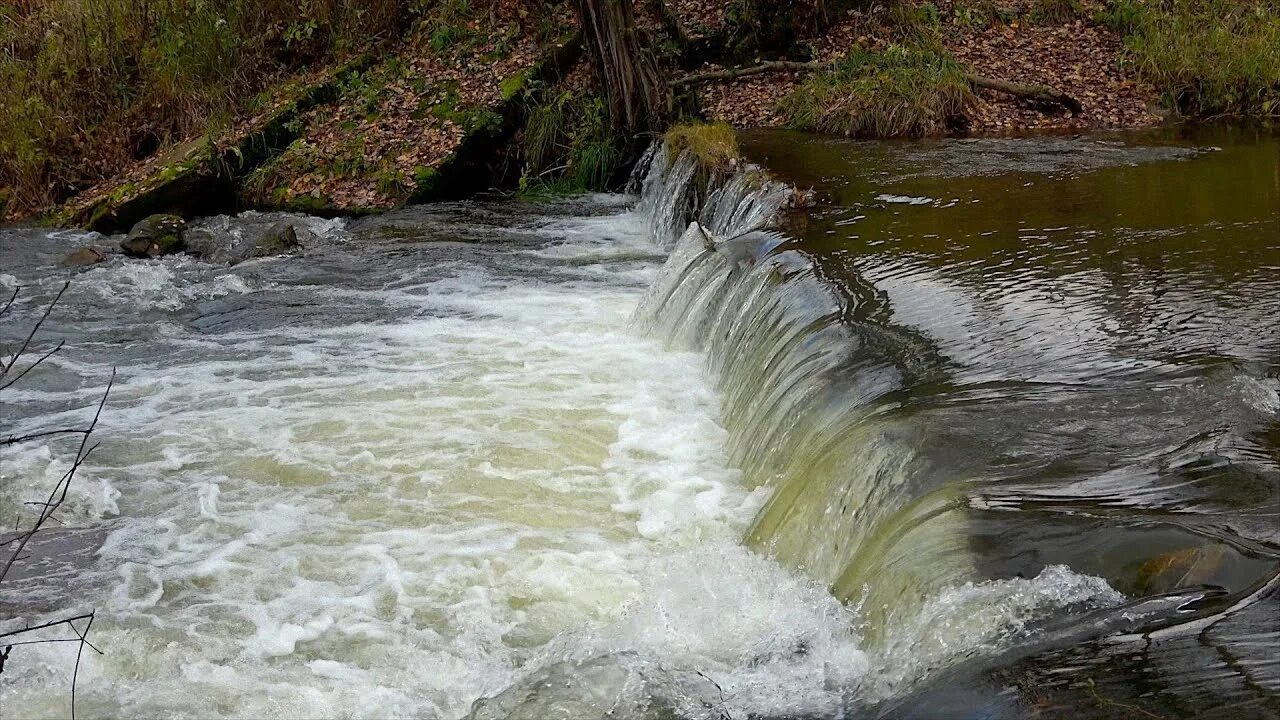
(90, 85)
(904, 91)
(1207, 57)
(715, 145)
(568, 145)
(1057, 12)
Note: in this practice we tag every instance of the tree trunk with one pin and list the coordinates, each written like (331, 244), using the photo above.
(624, 65)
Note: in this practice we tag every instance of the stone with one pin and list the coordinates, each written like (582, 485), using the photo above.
(1181, 568)
(84, 257)
(204, 244)
(281, 239)
(155, 236)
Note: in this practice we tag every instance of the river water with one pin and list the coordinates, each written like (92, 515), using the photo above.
(991, 431)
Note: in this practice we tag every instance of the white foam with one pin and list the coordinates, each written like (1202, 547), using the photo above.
(166, 283)
(396, 520)
(905, 199)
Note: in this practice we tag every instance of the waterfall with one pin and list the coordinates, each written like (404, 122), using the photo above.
(807, 398)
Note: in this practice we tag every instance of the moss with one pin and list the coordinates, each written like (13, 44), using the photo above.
(514, 85)
(1207, 57)
(714, 145)
(905, 91)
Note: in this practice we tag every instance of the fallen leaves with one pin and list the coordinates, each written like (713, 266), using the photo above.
(1076, 57)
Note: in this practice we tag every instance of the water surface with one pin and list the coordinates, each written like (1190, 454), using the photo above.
(995, 426)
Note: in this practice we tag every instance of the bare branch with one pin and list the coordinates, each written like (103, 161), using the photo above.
(31, 367)
(44, 626)
(764, 67)
(57, 496)
(59, 493)
(4, 369)
(1035, 93)
(9, 304)
(15, 439)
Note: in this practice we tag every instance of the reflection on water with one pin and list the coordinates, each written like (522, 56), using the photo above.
(1095, 328)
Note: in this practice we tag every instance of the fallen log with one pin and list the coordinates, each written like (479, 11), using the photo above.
(735, 73)
(1034, 93)
(1040, 94)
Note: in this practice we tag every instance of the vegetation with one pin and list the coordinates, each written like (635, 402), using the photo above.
(1207, 57)
(714, 145)
(568, 145)
(92, 84)
(1056, 11)
(903, 91)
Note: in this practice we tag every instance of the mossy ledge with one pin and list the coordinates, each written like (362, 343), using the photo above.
(199, 177)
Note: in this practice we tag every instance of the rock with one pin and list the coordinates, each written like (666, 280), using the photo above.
(622, 685)
(203, 244)
(155, 236)
(279, 240)
(84, 257)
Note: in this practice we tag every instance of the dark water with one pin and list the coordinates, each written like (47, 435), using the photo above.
(1089, 328)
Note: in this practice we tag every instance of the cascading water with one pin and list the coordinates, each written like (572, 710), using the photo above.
(808, 398)
(582, 461)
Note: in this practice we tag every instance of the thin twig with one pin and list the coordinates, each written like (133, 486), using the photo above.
(9, 304)
(45, 626)
(4, 369)
(75, 674)
(32, 366)
(15, 439)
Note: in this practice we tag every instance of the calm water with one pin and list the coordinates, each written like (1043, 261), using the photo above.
(993, 431)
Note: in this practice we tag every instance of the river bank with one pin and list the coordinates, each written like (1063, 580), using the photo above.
(450, 98)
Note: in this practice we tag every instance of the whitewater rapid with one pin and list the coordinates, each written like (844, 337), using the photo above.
(414, 469)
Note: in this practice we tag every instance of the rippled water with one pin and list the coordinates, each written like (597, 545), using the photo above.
(914, 451)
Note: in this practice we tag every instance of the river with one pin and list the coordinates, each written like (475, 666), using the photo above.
(992, 430)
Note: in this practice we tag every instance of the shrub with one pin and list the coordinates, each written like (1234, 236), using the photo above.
(568, 145)
(902, 91)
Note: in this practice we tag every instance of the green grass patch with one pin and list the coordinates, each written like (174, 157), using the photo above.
(568, 146)
(1056, 12)
(715, 145)
(1207, 57)
(904, 91)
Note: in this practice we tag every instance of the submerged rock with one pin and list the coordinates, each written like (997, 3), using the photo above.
(84, 257)
(1181, 568)
(221, 247)
(155, 236)
(621, 685)
(278, 240)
